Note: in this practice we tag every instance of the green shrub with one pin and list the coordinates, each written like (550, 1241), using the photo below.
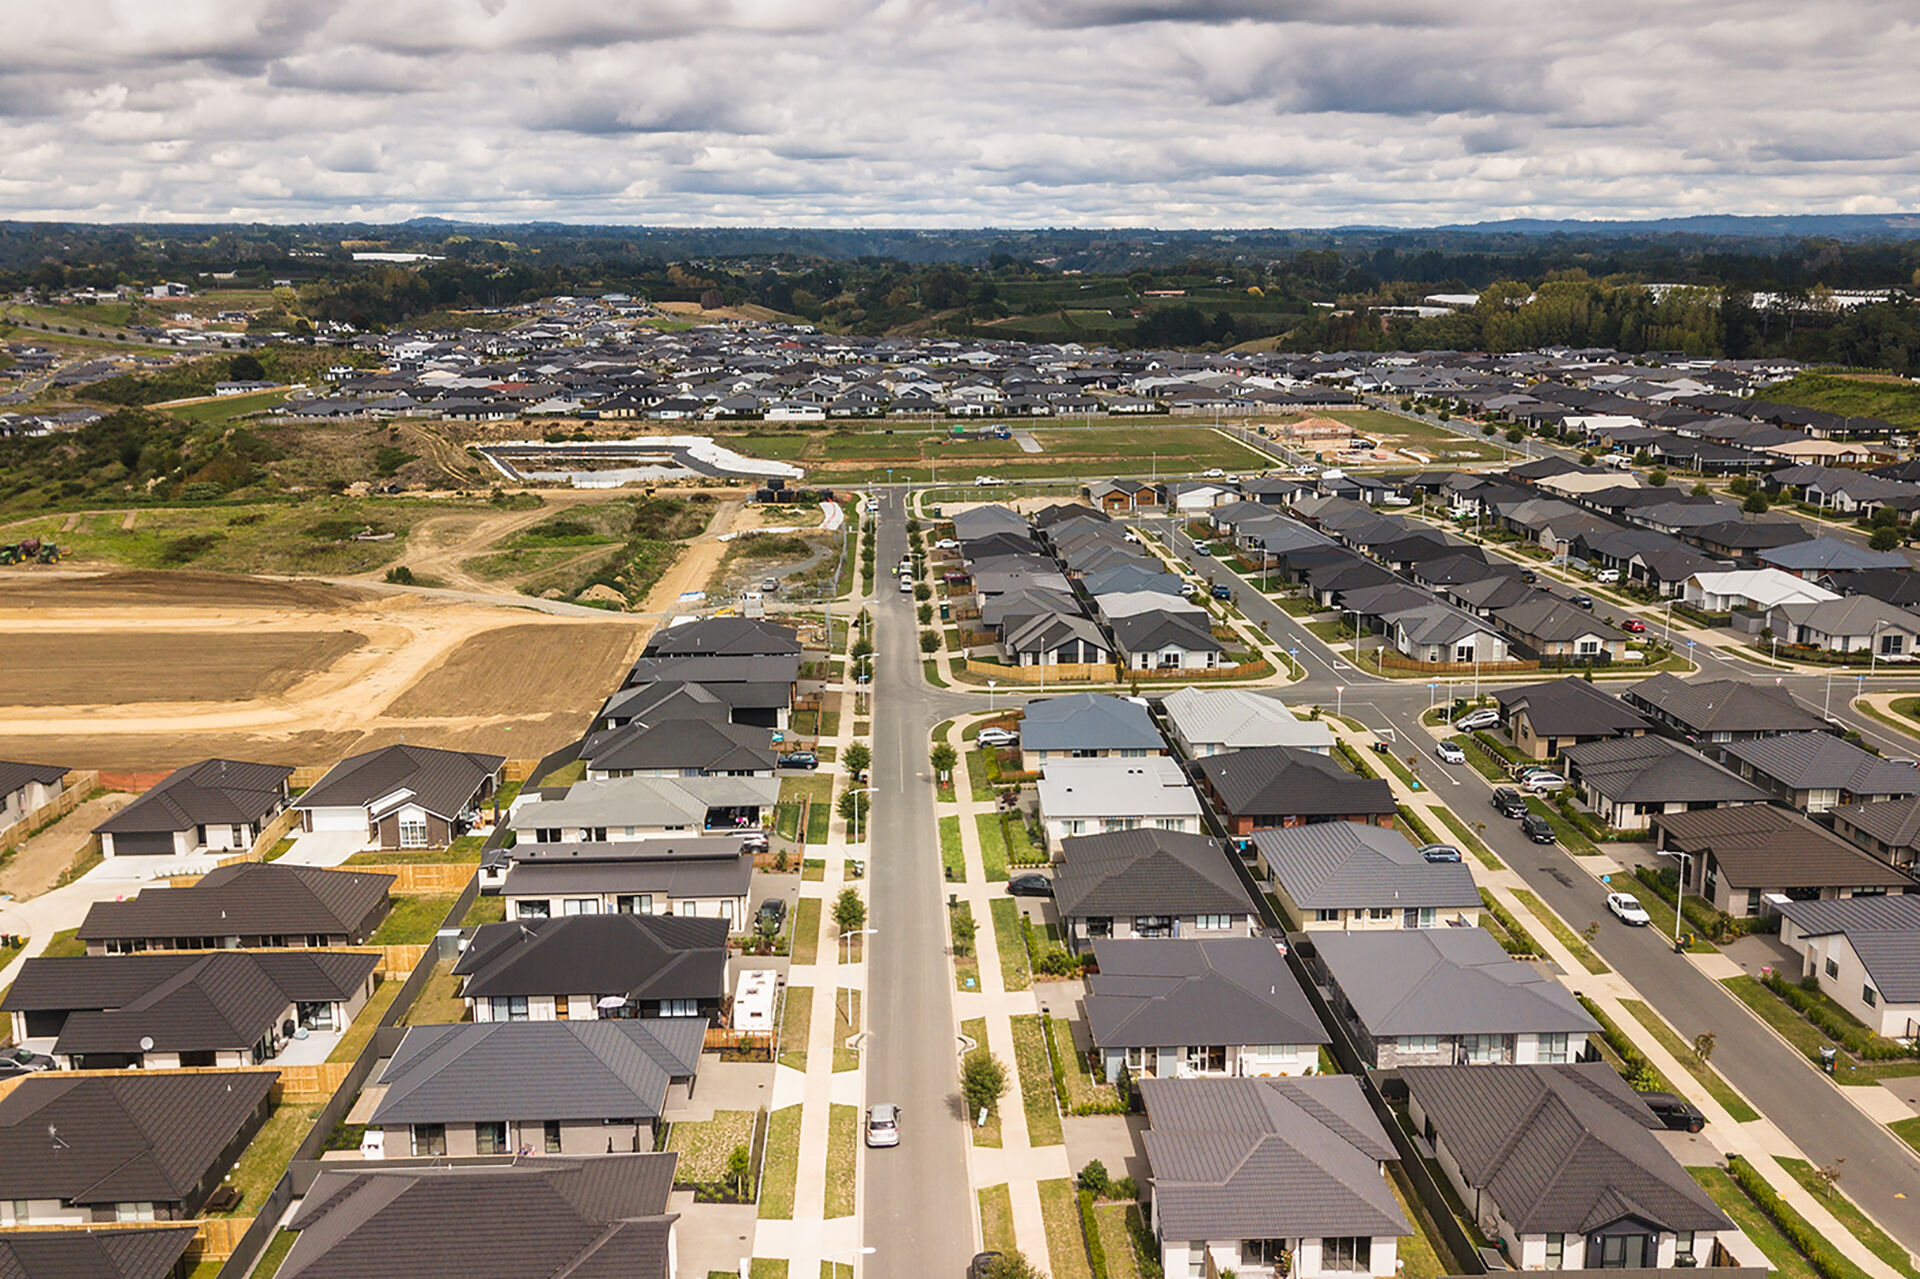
(1090, 1228)
(1801, 1235)
(1094, 1177)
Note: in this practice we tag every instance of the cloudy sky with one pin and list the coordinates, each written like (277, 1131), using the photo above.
(956, 112)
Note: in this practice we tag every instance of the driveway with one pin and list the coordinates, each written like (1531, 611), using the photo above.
(324, 848)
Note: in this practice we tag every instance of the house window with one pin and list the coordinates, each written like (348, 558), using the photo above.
(1587, 647)
(1326, 916)
(238, 834)
(1100, 925)
(1552, 1049)
(1480, 1050)
(551, 1144)
(1212, 923)
(1556, 1251)
(1463, 653)
(413, 832)
(429, 1139)
(533, 908)
(1869, 995)
(1207, 1060)
(1380, 913)
(1682, 1244)
(1832, 966)
(1622, 1252)
(1419, 1043)
(508, 1007)
(1263, 1252)
(1136, 1059)
(1196, 1261)
(1753, 901)
(142, 1211)
(1153, 925)
(581, 906)
(634, 904)
(679, 1008)
(490, 1138)
(1354, 1253)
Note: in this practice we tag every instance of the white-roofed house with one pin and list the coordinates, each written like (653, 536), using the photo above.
(1211, 721)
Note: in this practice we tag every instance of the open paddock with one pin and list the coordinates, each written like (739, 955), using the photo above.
(114, 668)
(524, 670)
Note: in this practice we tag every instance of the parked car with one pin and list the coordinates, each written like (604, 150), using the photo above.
(1223, 592)
(1450, 754)
(1476, 721)
(25, 1059)
(1542, 783)
(1535, 828)
(1030, 886)
(1215, 473)
(1583, 601)
(883, 1124)
(1509, 802)
(946, 544)
(1634, 626)
(1438, 853)
(770, 585)
(1528, 576)
(998, 737)
(772, 916)
(906, 585)
(1627, 907)
(1607, 575)
(1673, 1112)
(1201, 548)
(800, 759)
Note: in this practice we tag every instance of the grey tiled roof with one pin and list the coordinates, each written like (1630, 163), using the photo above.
(1654, 770)
(703, 743)
(1894, 822)
(442, 782)
(1445, 981)
(1559, 1148)
(1147, 871)
(724, 636)
(639, 956)
(1088, 721)
(1347, 866)
(1571, 708)
(93, 1254)
(1760, 846)
(14, 775)
(1724, 705)
(1883, 931)
(1283, 781)
(245, 899)
(1821, 761)
(1235, 990)
(1267, 1159)
(214, 792)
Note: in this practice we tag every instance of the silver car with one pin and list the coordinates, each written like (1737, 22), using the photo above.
(883, 1124)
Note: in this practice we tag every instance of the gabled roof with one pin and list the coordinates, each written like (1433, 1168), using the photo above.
(214, 792)
(1272, 780)
(444, 783)
(151, 1253)
(1267, 1159)
(1829, 555)
(1894, 822)
(1884, 931)
(1552, 620)
(1760, 846)
(1169, 994)
(607, 1069)
(1724, 705)
(638, 956)
(717, 672)
(1653, 770)
(1560, 1148)
(711, 745)
(1445, 981)
(724, 636)
(545, 1218)
(14, 775)
(1088, 721)
(1821, 761)
(1147, 871)
(1156, 629)
(1237, 718)
(150, 1135)
(1850, 615)
(1570, 708)
(245, 899)
(644, 801)
(1345, 866)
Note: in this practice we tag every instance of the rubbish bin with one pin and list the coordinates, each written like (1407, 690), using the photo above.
(1829, 1057)
(946, 611)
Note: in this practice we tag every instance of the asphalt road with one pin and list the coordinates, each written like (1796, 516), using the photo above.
(920, 1211)
(1882, 1173)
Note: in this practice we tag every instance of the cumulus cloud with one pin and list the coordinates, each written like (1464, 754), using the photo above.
(956, 112)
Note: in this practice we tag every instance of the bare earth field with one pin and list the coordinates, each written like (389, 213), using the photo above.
(66, 668)
(525, 666)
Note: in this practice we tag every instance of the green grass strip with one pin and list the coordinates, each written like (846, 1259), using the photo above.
(1719, 1089)
(1567, 937)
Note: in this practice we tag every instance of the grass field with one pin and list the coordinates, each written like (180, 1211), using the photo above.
(996, 1218)
(796, 1020)
(1893, 401)
(843, 1151)
(913, 452)
(1011, 941)
(952, 857)
(1877, 1240)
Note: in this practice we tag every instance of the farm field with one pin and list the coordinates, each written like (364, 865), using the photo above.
(1066, 450)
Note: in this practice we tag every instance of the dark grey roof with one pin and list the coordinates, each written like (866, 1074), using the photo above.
(1147, 871)
(674, 877)
(1088, 721)
(1829, 555)
(528, 1070)
(1237, 990)
(14, 775)
(1821, 761)
(150, 1135)
(1724, 705)
(1571, 708)
(1283, 780)
(1267, 1159)
(544, 1218)
(639, 956)
(245, 899)
(214, 792)
(1884, 932)
(1654, 770)
(183, 1001)
(703, 743)
(724, 636)
(1347, 866)
(675, 846)
(1445, 981)
(1760, 846)
(442, 782)
(716, 671)
(1560, 1148)
(1157, 629)
(1551, 620)
(150, 1253)
(1894, 822)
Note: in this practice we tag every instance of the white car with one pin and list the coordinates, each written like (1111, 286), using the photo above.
(1478, 720)
(1543, 782)
(997, 737)
(1216, 473)
(946, 544)
(1450, 754)
(906, 585)
(1607, 575)
(1627, 907)
(883, 1124)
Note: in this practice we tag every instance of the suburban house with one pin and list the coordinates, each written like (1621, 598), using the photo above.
(1214, 721)
(1628, 780)
(1157, 640)
(535, 1087)
(703, 746)
(1740, 858)
(1150, 884)
(645, 807)
(1268, 786)
(217, 805)
(583, 967)
(1557, 632)
(1560, 1162)
(1819, 556)
(401, 796)
(1716, 711)
(25, 789)
(1092, 796)
(542, 1219)
(243, 906)
(162, 1011)
(148, 1146)
(1173, 1010)
(700, 876)
(1444, 635)
(1122, 495)
(1220, 1150)
(754, 690)
(1751, 588)
(1889, 829)
(1545, 719)
(1855, 624)
(1815, 772)
(1344, 875)
(724, 637)
(1862, 951)
(1446, 997)
(156, 1252)
(1056, 639)
(1086, 726)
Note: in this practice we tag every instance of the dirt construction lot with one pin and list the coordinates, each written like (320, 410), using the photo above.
(152, 670)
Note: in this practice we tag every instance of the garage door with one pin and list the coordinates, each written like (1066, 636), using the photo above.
(152, 843)
(339, 819)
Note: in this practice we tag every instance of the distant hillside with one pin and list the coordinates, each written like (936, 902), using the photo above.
(1855, 395)
(1840, 226)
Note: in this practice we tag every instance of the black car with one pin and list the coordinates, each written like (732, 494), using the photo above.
(982, 1265)
(1528, 576)
(800, 759)
(773, 915)
(1030, 886)
(1583, 601)
(1535, 828)
(1673, 1112)
(1509, 803)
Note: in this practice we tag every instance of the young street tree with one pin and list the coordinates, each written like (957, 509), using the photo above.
(849, 912)
(983, 1080)
(944, 758)
(858, 758)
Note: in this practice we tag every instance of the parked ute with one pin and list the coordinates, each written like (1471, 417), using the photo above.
(1673, 1112)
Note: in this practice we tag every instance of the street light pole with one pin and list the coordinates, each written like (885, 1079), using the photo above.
(991, 685)
(1339, 699)
(1679, 893)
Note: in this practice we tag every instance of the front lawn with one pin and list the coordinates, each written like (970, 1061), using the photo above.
(1066, 1245)
(1010, 939)
(266, 1156)
(413, 921)
(782, 1170)
(1036, 1081)
(993, 846)
(796, 1022)
(952, 857)
(1558, 927)
(706, 1145)
(806, 931)
(996, 1218)
(843, 1152)
(1708, 1077)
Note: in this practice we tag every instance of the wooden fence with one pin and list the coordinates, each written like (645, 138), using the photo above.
(273, 832)
(313, 1083)
(423, 879)
(1064, 672)
(1401, 662)
(75, 789)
